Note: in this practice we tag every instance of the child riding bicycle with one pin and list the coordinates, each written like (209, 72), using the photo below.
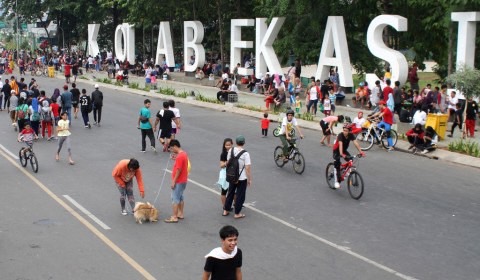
(287, 125)
(27, 135)
(340, 149)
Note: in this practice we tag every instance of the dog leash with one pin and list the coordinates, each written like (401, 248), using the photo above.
(161, 184)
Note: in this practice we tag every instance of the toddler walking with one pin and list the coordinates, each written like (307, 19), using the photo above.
(265, 125)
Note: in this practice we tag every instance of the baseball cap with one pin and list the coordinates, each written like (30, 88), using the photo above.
(240, 139)
(96, 85)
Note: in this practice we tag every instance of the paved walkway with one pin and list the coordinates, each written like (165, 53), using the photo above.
(251, 104)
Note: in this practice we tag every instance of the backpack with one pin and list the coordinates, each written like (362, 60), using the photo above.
(35, 116)
(47, 116)
(21, 113)
(233, 166)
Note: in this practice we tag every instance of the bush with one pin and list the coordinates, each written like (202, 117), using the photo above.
(167, 91)
(306, 116)
(468, 147)
(134, 86)
(106, 81)
(206, 99)
(183, 94)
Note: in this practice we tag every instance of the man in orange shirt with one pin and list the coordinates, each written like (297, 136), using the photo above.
(123, 174)
(179, 181)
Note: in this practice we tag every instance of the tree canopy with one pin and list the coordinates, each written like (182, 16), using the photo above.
(431, 34)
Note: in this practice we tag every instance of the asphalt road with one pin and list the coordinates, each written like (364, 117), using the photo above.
(418, 218)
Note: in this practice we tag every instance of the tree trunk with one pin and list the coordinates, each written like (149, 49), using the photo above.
(116, 16)
(450, 49)
(220, 30)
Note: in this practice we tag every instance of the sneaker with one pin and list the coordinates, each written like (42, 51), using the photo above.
(337, 185)
(414, 151)
(424, 151)
(95, 123)
(98, 125)
(86, 126)
(390, 149)
(153, 149)
(124, 212)
(142, 151)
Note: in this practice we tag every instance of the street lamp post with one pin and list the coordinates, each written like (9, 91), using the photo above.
(16, 36)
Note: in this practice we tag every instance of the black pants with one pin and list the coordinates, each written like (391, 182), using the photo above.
(398, 109)
(264, 131)
(336, 163)
(455, 124)
(149, 133)
(414, 140)
(97, 113)
(86, 120)
(6, 102)
(240, 190)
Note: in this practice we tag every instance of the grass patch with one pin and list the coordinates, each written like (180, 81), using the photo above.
(106, 81)
(83, 78)
(250, 107)
(207, 99)
(306, 116)
(467, 147)
(167, 91)
(118, 83)
(134, 86)
(182, 94)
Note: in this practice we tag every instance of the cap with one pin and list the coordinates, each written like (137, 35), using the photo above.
(96, 85)
(240, 139)
(381, 102)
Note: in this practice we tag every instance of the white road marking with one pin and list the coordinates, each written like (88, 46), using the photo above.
(86, 212)
(8, 152)
(314, 236)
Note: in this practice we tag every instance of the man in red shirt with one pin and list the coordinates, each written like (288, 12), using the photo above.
(179, 181)
(387, 89)
(387, 121)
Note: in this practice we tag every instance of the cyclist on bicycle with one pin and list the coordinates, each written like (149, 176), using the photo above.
(27, 135)
(286, 128)
(340, 150)
(386, 123)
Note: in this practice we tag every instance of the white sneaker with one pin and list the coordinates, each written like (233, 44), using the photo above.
(424, 151)
(337, 185)
(153, 149)
(124, 212)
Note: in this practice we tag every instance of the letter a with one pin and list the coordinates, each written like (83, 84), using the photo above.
(164, 45)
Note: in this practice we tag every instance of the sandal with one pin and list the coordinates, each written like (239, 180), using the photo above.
(241, 216)
(171, 220)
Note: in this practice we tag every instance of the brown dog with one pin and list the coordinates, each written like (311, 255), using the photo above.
(145, 212)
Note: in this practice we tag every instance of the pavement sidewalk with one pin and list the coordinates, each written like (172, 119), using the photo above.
(251, 104)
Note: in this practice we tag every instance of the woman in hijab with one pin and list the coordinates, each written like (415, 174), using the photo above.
(34, 110)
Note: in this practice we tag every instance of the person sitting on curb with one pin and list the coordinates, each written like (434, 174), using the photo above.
(415, 137)
(224, 93)
(431, 139)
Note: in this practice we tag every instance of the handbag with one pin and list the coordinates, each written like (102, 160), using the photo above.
(222, 179)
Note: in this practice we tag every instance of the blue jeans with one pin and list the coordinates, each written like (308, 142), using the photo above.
(69, 112)
(177, 192)
(314, 103)
(387, 127)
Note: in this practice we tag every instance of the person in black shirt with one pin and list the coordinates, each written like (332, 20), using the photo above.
(340, 149)
(85, 107)
(7, 91)
(75, 99)
(165, 118)
(471, 117)
(225, 262)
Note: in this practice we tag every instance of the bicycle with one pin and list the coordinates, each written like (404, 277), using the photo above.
(374, 134)
(26, 154)
(293, 154)
(347, 170)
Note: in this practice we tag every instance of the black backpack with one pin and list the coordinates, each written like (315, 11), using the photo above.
(233, 166)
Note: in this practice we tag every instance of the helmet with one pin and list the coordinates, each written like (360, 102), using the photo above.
(349, 126)
(290, 112)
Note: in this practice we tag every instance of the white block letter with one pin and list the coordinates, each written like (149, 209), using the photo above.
(398, 62)
(164, 45)
(93, 49)
(264, 53)
(236, 44)
(125, 35)
(335, 42)
(193, 37)
(467, 29)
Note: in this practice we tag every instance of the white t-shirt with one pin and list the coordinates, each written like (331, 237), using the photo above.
(243, 161)
(233, 88)
(374, 97)
(176, 112)
(313, 93)
(225, 76)
(359, 122)
(287, 125)
(420, 117)
(326, 104)
(90, 60)
(452, 102)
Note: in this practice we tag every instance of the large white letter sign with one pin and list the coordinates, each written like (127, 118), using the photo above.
(467, 28)
(335, 42)
(164, 45)
(398, 62)
(264, 53)
(236, 44)
(125, 35)
(193, 37)
(93, 49)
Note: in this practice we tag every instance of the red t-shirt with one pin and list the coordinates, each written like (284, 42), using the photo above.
(55, 109)
(68, 67)
(181, 163)
(387, 116)
(265, 123)
(386, 91)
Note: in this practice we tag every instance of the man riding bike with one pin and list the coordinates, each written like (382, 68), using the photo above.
(340, 149)
(386, 123)
(287, 125)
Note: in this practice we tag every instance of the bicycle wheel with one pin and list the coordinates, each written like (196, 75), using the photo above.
(39, 73)
(330, 175)
(355, 185)
(23, 157)
(34, 162)
(298, 163)
(276, 131)
(393, 135)
(365, 140)
(278, 156)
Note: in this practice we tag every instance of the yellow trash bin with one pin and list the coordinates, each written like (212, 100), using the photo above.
(51, 71)
(439, 123)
